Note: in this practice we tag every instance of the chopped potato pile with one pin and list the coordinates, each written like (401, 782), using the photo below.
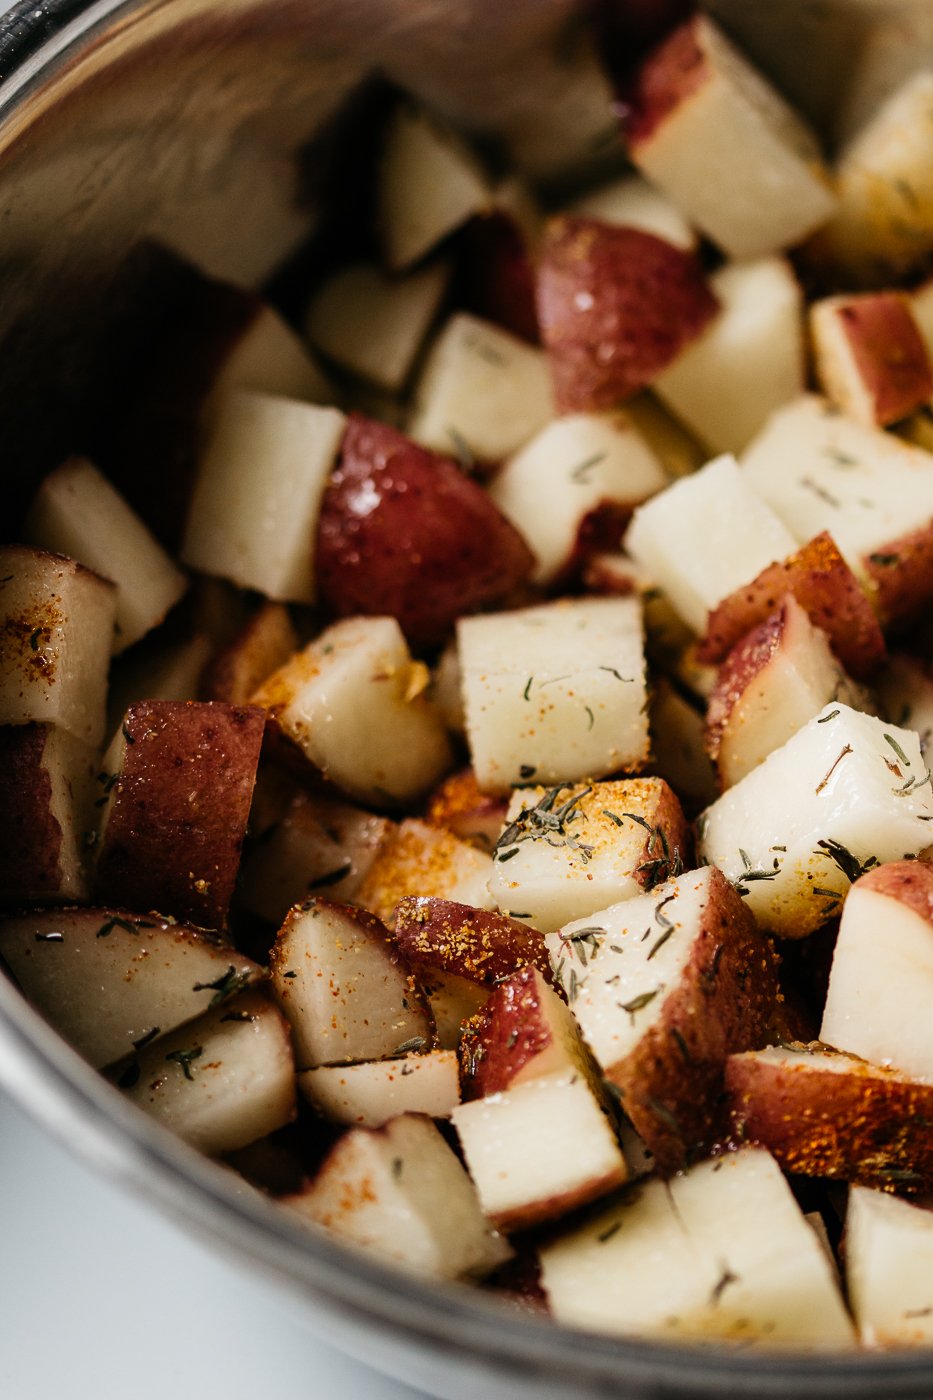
(494, 815)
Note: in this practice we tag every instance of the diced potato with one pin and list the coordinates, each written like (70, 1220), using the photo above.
(633, 202)
(46, 814)
(749, 359)
(573, 710)
(870, 357)
(566, 851)
(846, 792)
(221, 1082)
(748, 1267)
(460, 807)
(706, 127)
(429, 183)
(269, 358)
(161, 671)
(263, 645)
(56, 630)
(374, 325)
(353, 702)
(401, 1191)
(581, 476)
(77, 512)
(889, 1268)
(111, 981)
(678, 743)
(476, 944)
(482, 392)
(663, 986)
(905, 690)
(369, 1095)
(253, 513)
(539, 1149)
(416, 859)
(347, 992)
(706, 536)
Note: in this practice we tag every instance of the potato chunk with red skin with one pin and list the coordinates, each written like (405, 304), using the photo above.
(178, 807)
(525, 1031)
(616, 305)
(828, 591)
(461, 807)
(870, 357)
(476, 944)
(403, 532)
(821, 1112)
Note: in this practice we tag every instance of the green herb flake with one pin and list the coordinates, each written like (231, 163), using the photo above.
(824, 719)
(185, 1058)
(223, 987)
(637, 1003)
(107, 929)
(890, 739)
(579, 472)
(331, 877)
(884, 561)
(609, 1231)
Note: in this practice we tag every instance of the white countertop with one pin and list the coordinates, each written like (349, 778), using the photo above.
(101, 1298)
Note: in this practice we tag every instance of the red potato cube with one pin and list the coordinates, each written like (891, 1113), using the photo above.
(475, 944)
(616, 305)
(178, 783)
(706, 127)
(46, 807)
(400, 1191)
(221, 1082)
(263, 645)
(56, 630)
(824, 1113)
(317, 845)
(525, 1031)
(633, 202)
(403, 532)
(539, 1149)
(420, 860)
(663, 987)
(370, 1094)
(777, 678)
(823, 584)
(881, 981)
(870, 357)
(348, 993)
(112, 981)
(462, 808)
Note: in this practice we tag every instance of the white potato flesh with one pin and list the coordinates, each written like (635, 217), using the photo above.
(881, 984)
(889, 1269)
(368, 1095)
(353, 701)
(633, 202)
(343, 987)
(846, 789)
(108, 979)
(269, 358)
(374, 325)
(819, 470)
(706, 536)
(257, 494)
(555, 692)
(735, 158)
(618, 965)
(416, 858)
(401, 1191)
(452, 1000)
(429, 183)
(560, 868)
(47, 816)
(319, 846)
(538, 1149)
(747, 1266)
(798, 679)
(56, 633)
(884, 181)
(877, 372)
(221, 1082)
(568, 470)
(481, 391)
(77, 512)
(748, 361)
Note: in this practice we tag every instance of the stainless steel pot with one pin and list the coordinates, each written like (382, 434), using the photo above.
(193, 120)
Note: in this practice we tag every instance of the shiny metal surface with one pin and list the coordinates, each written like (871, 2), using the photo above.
(198, 121)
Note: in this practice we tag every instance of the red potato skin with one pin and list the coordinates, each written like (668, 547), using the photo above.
(402, 531)
(901, 575)
(30, 836)
(659, 861)
(476, 944)
(628, 30)
(671, 1082)
(511, 1031)
(616, 306)
(459, 806)
(741, 666)
(666, 79)
(889, 353)
(264, 644)
(827, 590)
(908, 881)
(545, 1208)
(869, 1126)
(180, 808)
(495, 275)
